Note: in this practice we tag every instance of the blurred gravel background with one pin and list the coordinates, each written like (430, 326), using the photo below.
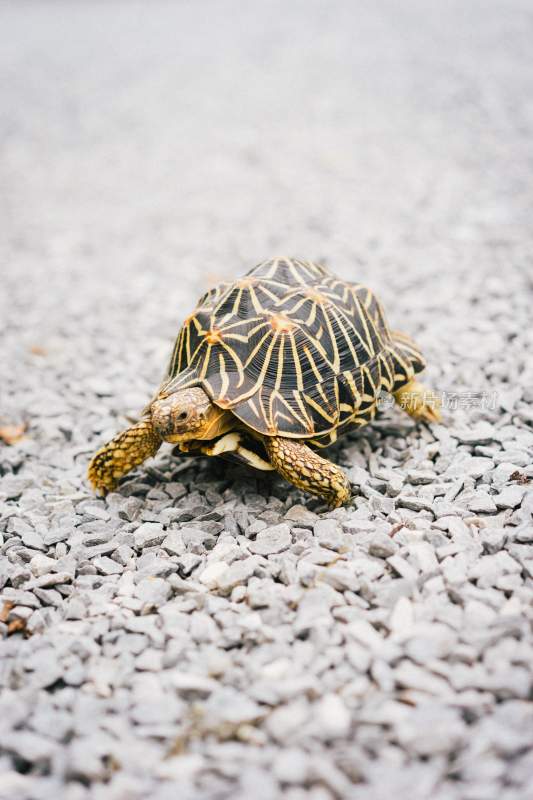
(207, 632)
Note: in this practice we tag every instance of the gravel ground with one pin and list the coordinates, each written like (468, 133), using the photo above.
(208, 632)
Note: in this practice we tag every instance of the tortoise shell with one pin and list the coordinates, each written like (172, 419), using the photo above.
(292, 350)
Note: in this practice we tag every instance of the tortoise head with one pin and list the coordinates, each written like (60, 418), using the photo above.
(189, 414)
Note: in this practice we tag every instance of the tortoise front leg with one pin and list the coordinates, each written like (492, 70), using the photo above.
(300, 465)
(126, 451)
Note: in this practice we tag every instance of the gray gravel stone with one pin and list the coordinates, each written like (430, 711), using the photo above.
(196, 540)
(431, 730)
(332, 717)
(419, 476)
(272, 540)
(174, 544)
(29, 747)
(328, 534)
(301, 516)
(51, 579)
(510, 497)
(482, 503)
(403, 567)
(107, 566)
(212, 574)
(148, 534)
(292, 766)
(41, 564)
(414, 503)
(153, 591)
(382, 546)
(238, 573)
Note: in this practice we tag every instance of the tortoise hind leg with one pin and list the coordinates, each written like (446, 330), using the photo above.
(419, 401)
(300, 465)
(126, 451)
(411, 395)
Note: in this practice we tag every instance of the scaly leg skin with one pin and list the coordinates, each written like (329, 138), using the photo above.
(419, 401)
(300, 465)
(126, 451)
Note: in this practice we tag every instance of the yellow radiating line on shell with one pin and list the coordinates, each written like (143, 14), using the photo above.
(188, 343)
(345, 294)
(375, 330)
(363, 318)
(279, 373)
(237, 362)
(255, 300)
(257, 348)
(220, 302)
(201, 343)
(283, 416)
(353, 386)
(297, 306)
(237, 302)
(388, 370)
(336, 393)
(223, 375)
(254, 408)
(268, 293)
(194, 321)
(267, 358)
(262, 324)
(364, 343)
(319, 347)
(312, 314)
(239, 322)
(207, 356)
(265, 281)
(312, 363)
(264, 368)
(291, 411)
(336, 356)
(323, 395)
(368, 298)
(297, 365)
(294, 272)
(183, 347)
(270, 420)
(237, 337)
(369, 376)
(175, 357)
(348, 338)
(309, 423)
(273, 268)
(317, 407)
(401, 360)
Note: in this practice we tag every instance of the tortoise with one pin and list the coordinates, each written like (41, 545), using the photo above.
(269, 368)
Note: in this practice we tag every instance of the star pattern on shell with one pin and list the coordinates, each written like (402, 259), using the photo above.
(291, 350)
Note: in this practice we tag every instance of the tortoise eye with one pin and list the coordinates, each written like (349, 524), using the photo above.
(183, 416)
